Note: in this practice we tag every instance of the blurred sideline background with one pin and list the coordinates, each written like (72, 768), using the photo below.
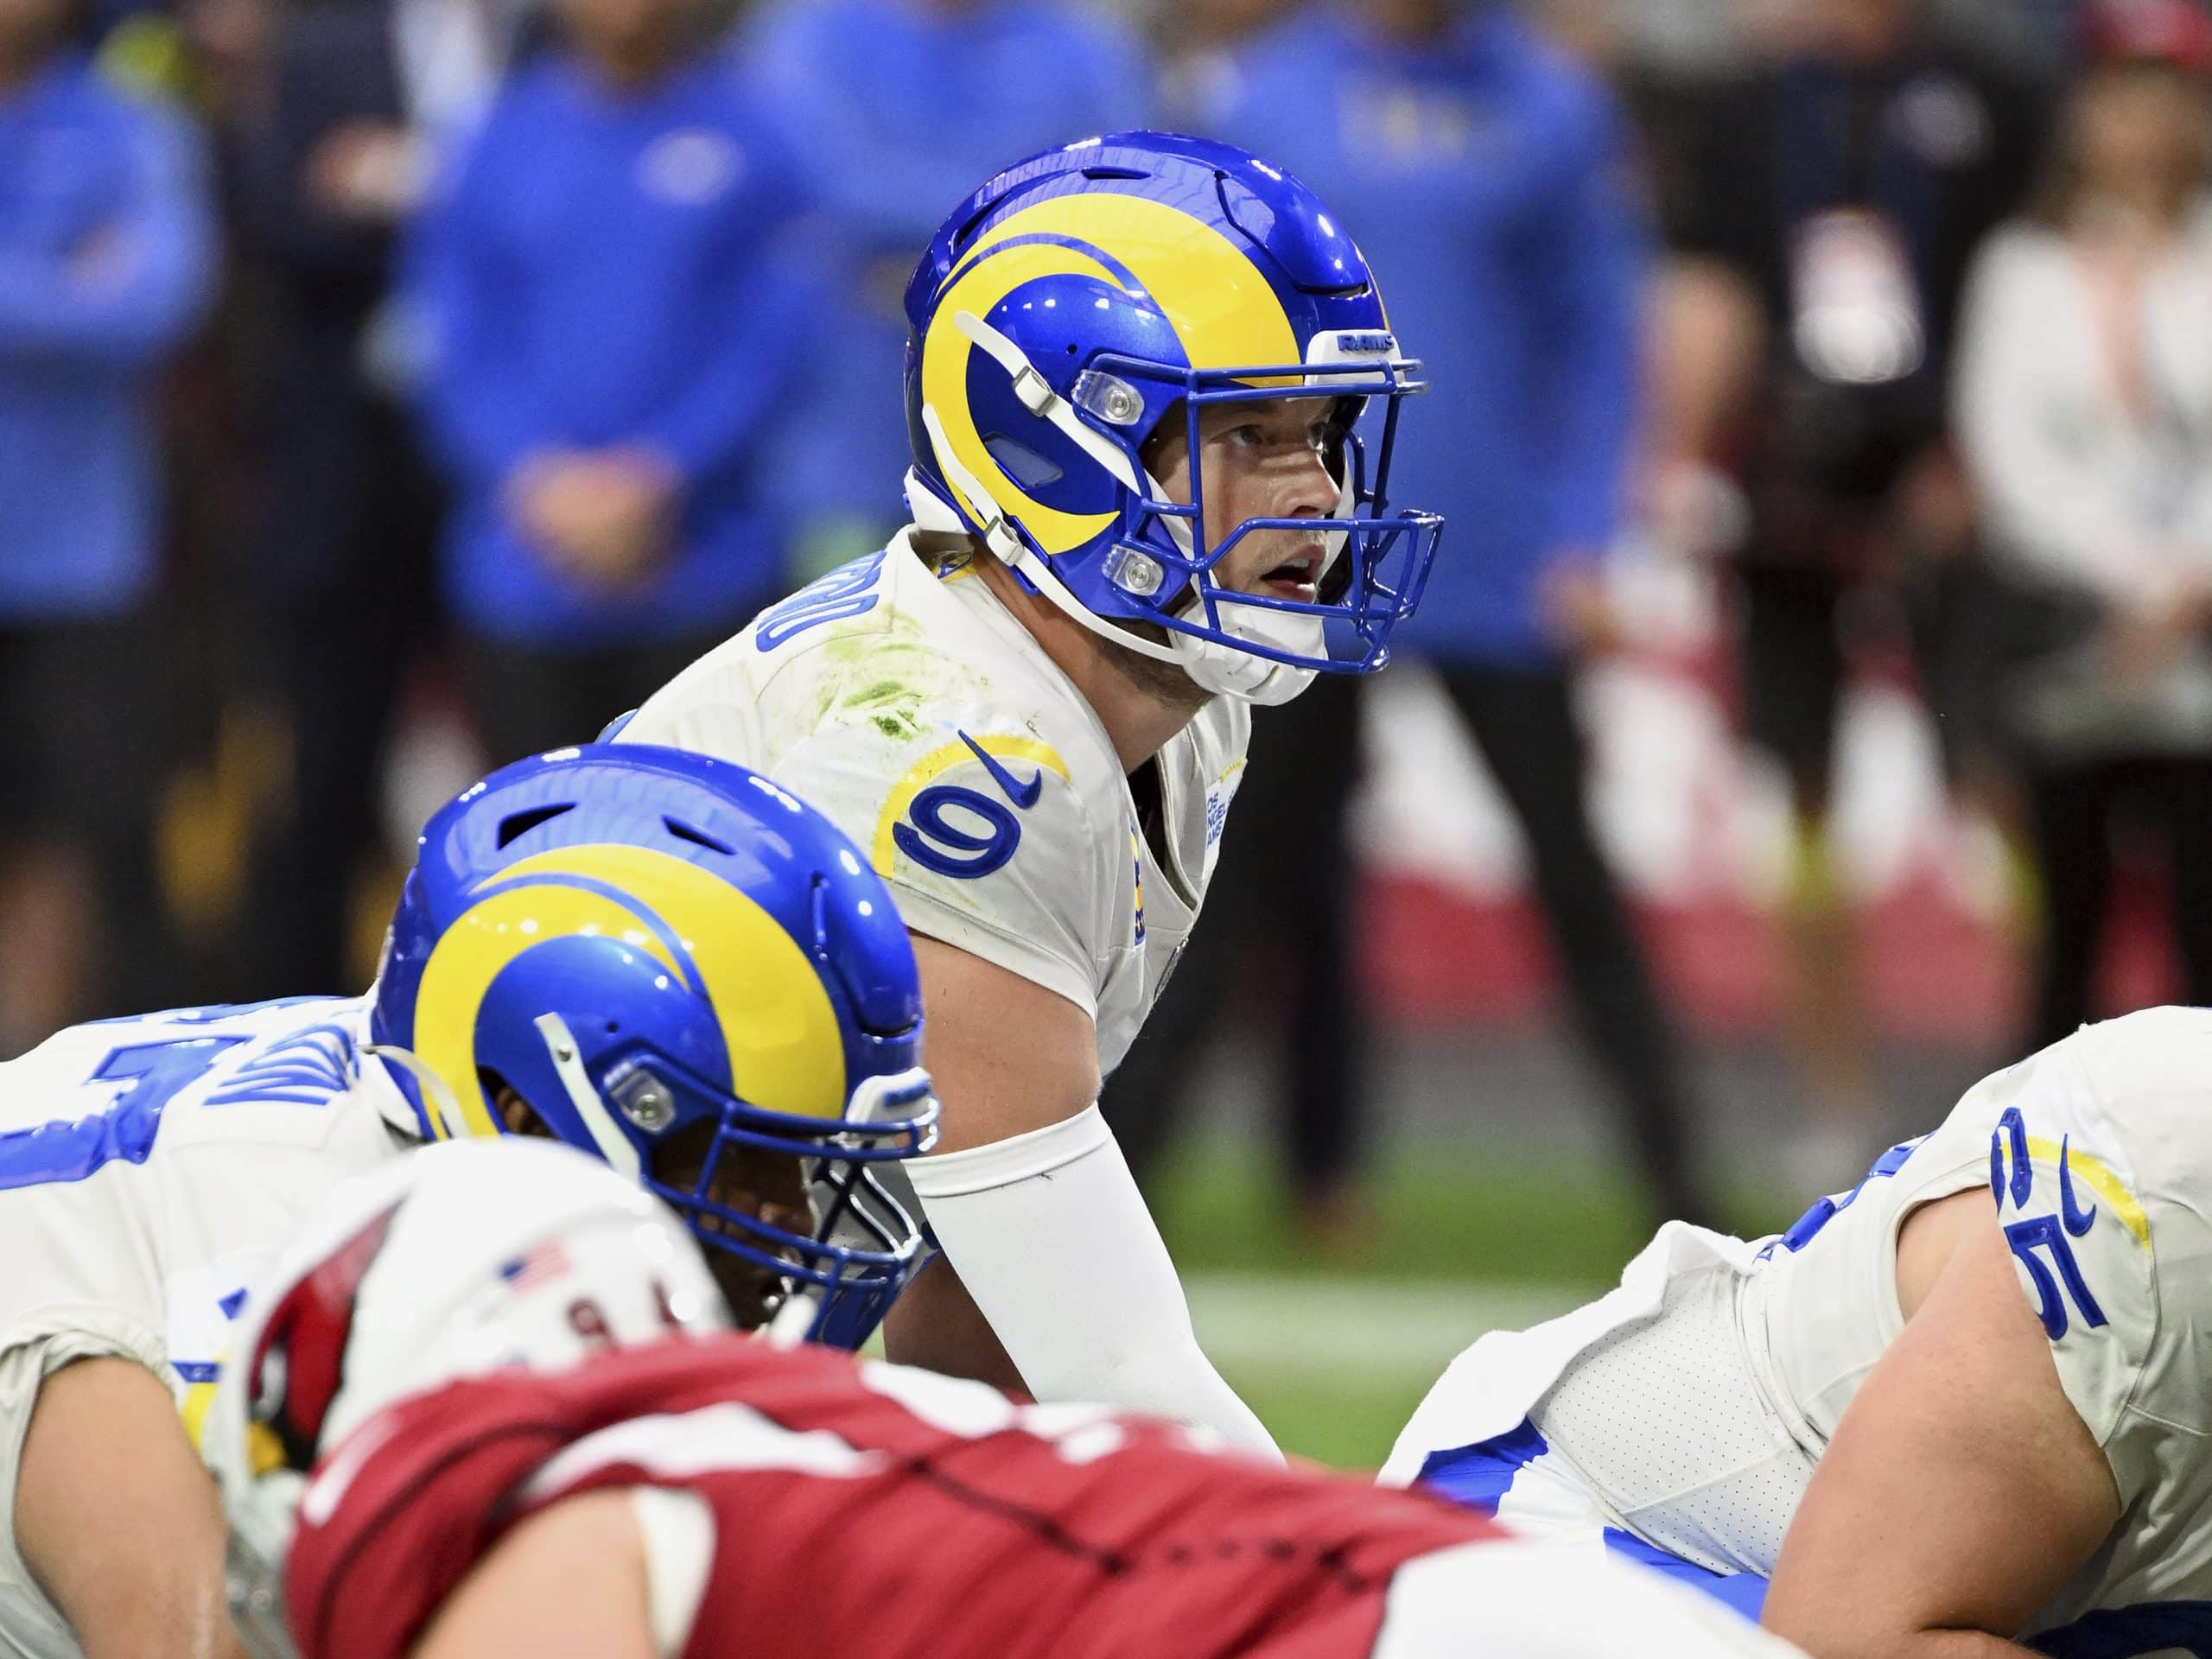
(1812, 712)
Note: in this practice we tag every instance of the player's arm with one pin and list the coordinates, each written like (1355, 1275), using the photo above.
(118, 1520)
(1047, 1241)
(1962, 1490)
(569, 1582)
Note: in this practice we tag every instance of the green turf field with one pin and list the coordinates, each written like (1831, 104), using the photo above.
(1333, 1355)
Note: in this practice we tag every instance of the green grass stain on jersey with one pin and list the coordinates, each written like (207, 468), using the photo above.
(893, 676)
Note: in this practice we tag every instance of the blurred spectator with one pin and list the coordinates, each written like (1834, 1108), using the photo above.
(615, 316)
(1279, 923)
(1689, 39)
(2177, 32)
(340, 581)
(2038, 38)
(1195, 43)
(106, 254)
(2085, 407)
(903, 107)
(1301, 775)
(1486, 173)
(1848, 183)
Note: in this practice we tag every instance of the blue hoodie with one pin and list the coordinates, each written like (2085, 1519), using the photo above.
(1484, 179)
(904, 110)
(602, 269)
(107, 254)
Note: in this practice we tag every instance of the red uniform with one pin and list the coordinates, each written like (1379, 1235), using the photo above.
(862, 1509)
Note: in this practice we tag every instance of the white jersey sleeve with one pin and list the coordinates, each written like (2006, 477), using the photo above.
(933, 741)
(977, 816)
(149, 1170)
(147, 1167)
(2100, 1159)
(2098, 1154)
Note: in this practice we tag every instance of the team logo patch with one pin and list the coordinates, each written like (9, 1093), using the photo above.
(1022, 795)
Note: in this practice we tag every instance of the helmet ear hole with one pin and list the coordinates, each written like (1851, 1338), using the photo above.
(515, 1115)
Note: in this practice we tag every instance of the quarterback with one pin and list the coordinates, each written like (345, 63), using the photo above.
(1139, 505)
(1960, 1412)
(489, 1409)
(658, 957)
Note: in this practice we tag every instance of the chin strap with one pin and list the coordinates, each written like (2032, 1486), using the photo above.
(1006, 542)
(794, 1320)
(1221, 668)
(567, 1064)
(438, 1099)
(1039, 399)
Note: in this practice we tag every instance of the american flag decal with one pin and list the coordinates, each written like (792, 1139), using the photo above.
(535, 1266)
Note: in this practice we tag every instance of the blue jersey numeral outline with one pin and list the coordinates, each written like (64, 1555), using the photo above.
(2012, 1177)
(843, 593)
(73, 1151)
(936, 843)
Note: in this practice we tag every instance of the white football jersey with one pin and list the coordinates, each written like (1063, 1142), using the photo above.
(149, 1170)
(912, 707)
(2099, 1150)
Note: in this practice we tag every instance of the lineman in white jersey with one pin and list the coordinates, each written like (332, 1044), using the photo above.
(150, 1168)
(1030, 710)
(2013, 1309)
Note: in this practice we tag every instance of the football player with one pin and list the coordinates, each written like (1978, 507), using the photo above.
(1139, 506)
(1959, 1412)
(659, 957)
(489, 1409)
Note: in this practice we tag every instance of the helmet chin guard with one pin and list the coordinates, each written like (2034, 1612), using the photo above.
(1074, 304)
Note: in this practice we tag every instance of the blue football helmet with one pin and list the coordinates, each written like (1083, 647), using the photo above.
(676, 965)
(1069, 306)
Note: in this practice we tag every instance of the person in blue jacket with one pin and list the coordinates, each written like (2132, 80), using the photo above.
(1493, 181)
(107, 253)
(902, 105)
(613, 306)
